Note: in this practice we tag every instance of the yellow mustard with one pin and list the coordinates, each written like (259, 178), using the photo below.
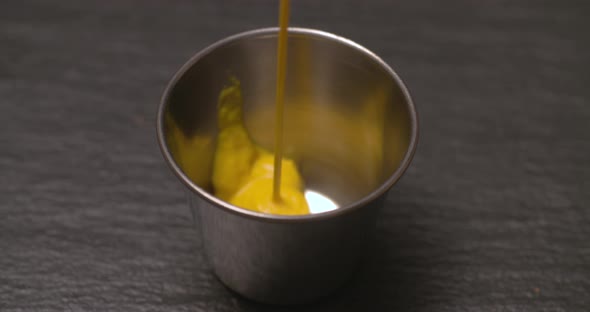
(243, 171)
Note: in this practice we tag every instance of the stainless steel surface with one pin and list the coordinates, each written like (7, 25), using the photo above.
(351, 126)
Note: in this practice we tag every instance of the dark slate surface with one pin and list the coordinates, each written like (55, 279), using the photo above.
(492, 216)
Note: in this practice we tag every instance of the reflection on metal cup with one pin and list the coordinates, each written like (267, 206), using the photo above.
(351, 127)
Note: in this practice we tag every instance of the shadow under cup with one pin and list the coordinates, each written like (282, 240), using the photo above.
(350, 126)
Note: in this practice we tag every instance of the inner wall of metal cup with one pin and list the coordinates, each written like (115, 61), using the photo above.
(347, 121)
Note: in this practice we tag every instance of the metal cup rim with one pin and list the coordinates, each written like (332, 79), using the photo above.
(379, 191)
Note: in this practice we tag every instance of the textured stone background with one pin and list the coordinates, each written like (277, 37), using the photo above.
(492, 216)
